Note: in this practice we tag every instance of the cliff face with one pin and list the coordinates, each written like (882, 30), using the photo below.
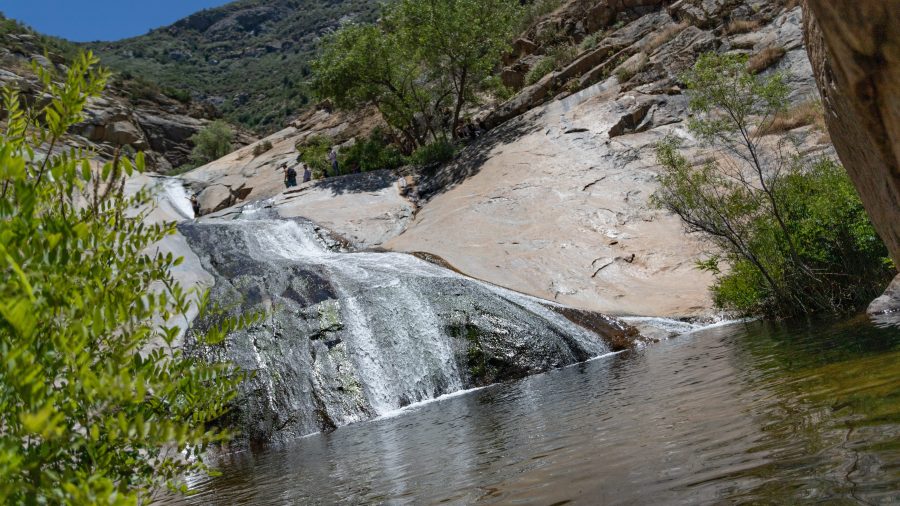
(854, 47)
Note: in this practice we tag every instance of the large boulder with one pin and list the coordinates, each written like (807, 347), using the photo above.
(124, 133)
(854, 47)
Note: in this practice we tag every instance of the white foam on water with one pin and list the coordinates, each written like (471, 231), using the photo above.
(677, 326)
(459, 393)
(173, 195)
(417, 405)
(285, 239)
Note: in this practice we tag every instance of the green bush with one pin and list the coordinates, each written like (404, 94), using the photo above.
(314, 153)
(834, 239)
(178, 94)
(372, 153)
(98, 405)
(794, 235)
(494, 85)
(591, 41)
(556, 58)
(211, 143)
(543, 67)
(439, 151)
(262, 147)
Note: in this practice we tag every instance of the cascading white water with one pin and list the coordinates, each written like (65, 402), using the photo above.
(400, 350)
(351, 336)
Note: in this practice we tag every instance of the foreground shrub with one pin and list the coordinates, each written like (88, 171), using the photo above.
(792, 232)
(98, 405)
(835, 242)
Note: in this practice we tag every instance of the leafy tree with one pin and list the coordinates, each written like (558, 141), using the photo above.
(212, 142)
(421, 65)
(97, 402)
(792, 231)
(363, 64)
(459, 40)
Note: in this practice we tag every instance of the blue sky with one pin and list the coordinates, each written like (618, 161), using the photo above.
(100, 19)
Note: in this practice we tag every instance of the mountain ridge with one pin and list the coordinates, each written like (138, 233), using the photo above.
(248, 58)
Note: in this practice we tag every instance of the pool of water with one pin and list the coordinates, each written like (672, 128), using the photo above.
(752, 412)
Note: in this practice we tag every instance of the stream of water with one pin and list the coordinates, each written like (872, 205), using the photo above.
(751, 413)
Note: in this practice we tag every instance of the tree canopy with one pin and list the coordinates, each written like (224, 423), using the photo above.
(421, 65)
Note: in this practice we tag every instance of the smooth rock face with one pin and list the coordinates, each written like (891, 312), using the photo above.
(854, 47)
(351, 336)
(550, 205)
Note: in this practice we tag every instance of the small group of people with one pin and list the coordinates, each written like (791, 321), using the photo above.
(290, 175)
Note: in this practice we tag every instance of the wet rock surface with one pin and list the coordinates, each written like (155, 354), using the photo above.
(352, 336)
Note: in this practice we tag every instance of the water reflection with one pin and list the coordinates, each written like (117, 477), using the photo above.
(750, 413)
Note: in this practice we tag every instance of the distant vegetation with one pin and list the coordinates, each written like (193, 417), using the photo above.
(250, 58)
(61, 47)
(791, 231)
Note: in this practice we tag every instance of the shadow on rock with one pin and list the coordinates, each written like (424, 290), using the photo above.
(437, 179)
(354, 183)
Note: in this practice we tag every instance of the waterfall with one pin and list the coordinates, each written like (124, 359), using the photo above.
(359, 335)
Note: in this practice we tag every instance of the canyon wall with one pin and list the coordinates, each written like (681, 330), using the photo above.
(854, 48)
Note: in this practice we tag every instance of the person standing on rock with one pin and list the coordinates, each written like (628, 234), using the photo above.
(291, 176)
(332, 157)
(195, 205)
(307, 173)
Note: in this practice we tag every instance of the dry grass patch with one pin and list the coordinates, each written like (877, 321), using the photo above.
(664, 36)
(765, 59)
(742, 26)
(806, 113)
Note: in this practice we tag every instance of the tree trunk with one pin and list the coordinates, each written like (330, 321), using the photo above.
(460, 99)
